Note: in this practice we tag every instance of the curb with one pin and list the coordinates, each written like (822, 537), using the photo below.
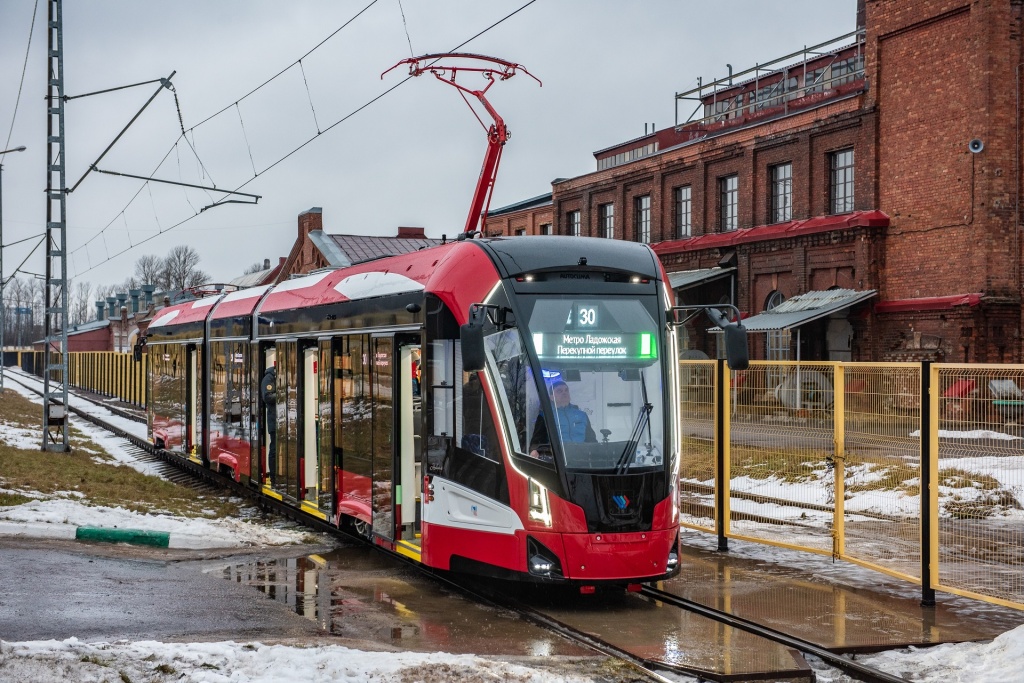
(156, 539)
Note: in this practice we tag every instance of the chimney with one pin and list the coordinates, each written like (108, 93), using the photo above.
(148, 291)
(101, 309)
(167, 300)
(266, 264)
(122, 299)
(311, 220)
(135, 294)
(409, 233)
(111, 307)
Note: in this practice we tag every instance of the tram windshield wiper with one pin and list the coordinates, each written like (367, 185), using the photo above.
(642, 420)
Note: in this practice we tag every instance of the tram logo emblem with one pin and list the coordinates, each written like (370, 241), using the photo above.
(621, 502)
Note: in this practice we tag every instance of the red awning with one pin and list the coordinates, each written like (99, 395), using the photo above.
(928, 303)
(763, 233)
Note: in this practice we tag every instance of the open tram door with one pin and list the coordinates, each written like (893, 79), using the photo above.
(193, 404)
(267, 419)
(313, 428)
(408, 450)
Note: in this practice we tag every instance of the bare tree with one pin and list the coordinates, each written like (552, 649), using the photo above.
(148, 270)
(80, 303)
(254, 268)
(181, 268)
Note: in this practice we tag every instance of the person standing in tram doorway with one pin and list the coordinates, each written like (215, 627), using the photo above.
(268, 392)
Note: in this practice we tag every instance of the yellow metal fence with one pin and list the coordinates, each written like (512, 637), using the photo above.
(107, 373)
(830, 458)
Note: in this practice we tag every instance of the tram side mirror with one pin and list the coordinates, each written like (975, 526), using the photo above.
(736, 351)
(472, 336)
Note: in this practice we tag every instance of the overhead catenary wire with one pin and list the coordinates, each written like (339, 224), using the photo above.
(21, 83)
(287, 155)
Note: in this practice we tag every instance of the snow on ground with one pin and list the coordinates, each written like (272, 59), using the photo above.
(72, 661)
(226, 532)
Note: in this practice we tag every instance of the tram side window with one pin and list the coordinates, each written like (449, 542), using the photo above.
(519, 399)
(218, 384)
(476, 459)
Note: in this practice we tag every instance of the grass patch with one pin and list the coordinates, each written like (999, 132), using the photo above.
(7, 499)
(99, 483)
(697, 461)
(894, 477)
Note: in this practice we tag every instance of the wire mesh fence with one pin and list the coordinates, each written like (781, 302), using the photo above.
(697, 460)
(781, 459)
(978, 456)
(868, 462)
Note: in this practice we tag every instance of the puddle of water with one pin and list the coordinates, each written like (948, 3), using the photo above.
(360, 593)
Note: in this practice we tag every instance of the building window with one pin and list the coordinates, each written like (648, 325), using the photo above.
(642, 218)
(847, 70)
(545, 229)
(728, 202)
(781, 209)
(573, 222)
(520, 232)
(841, 185)
(814, 81)
(606, 214)
(683, 211)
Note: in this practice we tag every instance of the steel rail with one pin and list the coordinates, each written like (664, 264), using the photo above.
(848, 666)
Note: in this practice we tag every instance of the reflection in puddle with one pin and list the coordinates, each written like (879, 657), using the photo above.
(359, 593)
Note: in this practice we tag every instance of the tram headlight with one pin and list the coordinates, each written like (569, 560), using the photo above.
(542, 561)
(540, 505)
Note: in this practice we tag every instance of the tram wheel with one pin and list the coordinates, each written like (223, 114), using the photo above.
(362, 528)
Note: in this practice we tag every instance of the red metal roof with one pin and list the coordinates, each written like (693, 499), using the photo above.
(928, 303)
(777, 231)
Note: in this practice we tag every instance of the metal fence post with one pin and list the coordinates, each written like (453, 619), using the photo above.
(927, 592)
(721, 446)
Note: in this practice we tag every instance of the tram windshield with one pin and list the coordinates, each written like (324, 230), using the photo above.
(599, 405)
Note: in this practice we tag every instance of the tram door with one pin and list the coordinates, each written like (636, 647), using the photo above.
(408, 418)
(382, 495)
(325, 429)
(286, 474)
(193, 402)
(309, 417)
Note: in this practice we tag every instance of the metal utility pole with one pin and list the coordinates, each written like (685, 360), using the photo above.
(3, 304)
(55, 303)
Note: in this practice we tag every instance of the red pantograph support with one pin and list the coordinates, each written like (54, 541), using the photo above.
(497, 133)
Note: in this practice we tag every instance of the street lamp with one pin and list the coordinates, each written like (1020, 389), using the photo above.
(3, 305)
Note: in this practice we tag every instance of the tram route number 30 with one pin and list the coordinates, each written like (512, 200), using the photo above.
(583, 315)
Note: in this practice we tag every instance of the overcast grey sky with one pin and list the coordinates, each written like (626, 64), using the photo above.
(412, 158)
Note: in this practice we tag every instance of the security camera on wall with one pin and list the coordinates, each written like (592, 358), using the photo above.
(976, 145)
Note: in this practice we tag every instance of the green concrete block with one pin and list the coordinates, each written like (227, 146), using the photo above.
(160, 539)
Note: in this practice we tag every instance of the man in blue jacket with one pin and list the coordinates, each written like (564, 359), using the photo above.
(573, 424)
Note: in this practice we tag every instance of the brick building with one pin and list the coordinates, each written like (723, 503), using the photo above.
(884, 165)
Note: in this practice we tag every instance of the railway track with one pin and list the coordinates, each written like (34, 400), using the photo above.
(194, 475)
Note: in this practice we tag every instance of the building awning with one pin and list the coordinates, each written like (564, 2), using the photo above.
(691, 278)
(805, 308)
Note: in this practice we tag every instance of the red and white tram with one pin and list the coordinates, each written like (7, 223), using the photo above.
(544, 445)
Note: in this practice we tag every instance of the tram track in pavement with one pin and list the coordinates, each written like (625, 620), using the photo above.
(195, 475)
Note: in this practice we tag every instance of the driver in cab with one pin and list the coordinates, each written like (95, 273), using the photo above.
(572, 423)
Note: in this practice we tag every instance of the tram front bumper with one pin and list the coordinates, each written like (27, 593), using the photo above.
(619, 556)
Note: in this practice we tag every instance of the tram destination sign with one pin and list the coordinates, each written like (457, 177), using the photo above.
(590, 345)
